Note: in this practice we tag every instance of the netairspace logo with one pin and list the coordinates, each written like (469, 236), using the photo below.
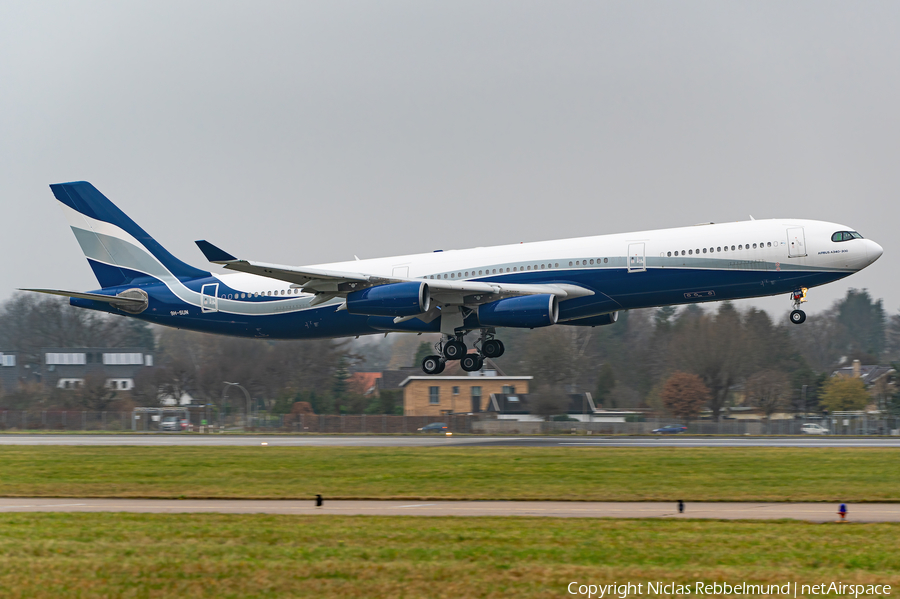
(790, 589)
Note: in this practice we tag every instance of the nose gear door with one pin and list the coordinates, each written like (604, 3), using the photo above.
(796, 242)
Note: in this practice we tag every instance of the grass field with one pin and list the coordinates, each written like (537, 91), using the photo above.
(608, 474)
(211, 555)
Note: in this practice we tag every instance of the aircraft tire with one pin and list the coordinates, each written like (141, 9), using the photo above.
(454, 350)
(492, 348)
(432, 365)
(471, 362)
(798, 317)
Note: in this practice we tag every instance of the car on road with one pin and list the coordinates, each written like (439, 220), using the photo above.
(812, 428)
(670, 429)
(173, 423)
(434, 427)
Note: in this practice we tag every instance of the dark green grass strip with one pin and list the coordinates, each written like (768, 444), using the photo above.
(610, 474)
(216, 555)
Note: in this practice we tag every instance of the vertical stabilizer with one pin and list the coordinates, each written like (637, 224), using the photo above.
(118, 250)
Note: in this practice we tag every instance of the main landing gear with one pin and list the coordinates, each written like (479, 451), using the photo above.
(798, 316)
(455, 349)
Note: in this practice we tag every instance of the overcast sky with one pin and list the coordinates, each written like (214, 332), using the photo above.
(299, 132)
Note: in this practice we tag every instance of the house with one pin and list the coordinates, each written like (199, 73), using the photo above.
(580, 407)
(10, 371)
(67, 368)
(869, 374)
(364, 383)
(454, 391)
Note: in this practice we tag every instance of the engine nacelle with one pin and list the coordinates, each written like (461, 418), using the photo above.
(594, 321)
(528, 311)
(394, 299)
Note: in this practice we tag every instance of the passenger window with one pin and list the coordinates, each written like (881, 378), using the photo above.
(669, 254)
(592, 261)
(691, 252)
(704, 250)
(754, 246)
(605, 260)
(718, 249)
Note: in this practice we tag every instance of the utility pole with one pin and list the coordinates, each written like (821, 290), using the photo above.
(803, 397)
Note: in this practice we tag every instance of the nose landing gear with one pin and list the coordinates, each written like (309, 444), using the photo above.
(798, 316)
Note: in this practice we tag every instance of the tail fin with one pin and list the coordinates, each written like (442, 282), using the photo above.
(117, 249)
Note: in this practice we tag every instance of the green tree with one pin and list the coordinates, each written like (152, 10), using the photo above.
(387, 402)
(425, 349)
(841, 393)
(339, 386)
(864, 321)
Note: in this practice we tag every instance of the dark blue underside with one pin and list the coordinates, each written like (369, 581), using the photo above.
(614, 290)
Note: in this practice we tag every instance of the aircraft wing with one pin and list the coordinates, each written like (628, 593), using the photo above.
(327, 284)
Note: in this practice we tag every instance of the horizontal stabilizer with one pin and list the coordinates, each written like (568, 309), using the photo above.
(214, 254)
(110, 299)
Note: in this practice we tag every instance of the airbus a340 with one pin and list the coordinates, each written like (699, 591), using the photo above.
(577, 282)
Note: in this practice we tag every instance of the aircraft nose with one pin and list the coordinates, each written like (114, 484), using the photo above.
(873, 251)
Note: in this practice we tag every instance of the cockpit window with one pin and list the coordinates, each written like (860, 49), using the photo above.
(845, 236)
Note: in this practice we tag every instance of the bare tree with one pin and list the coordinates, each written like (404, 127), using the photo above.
(684, 395)
(768, 390)
(712, 347)
(548, 401)
(95, 393)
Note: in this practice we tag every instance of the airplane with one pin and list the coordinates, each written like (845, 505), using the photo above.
(585, 281)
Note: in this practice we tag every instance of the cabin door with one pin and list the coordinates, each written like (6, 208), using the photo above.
(636, 257)
(796, 242)
(209, 298)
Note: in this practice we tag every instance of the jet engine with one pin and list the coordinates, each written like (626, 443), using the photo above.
(528, 311)
(394, 299)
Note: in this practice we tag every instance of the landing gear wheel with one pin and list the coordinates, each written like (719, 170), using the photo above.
(798, 316)
(433, 365)
(454, 350)
(471, 362)
(492, 348)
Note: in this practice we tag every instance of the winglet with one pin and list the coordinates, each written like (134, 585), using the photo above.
(214, 254)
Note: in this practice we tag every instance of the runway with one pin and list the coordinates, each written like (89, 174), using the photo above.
(812, 512)
(173, 439)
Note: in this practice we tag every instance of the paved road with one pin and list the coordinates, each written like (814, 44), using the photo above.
(434, 440)
(813, 512)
